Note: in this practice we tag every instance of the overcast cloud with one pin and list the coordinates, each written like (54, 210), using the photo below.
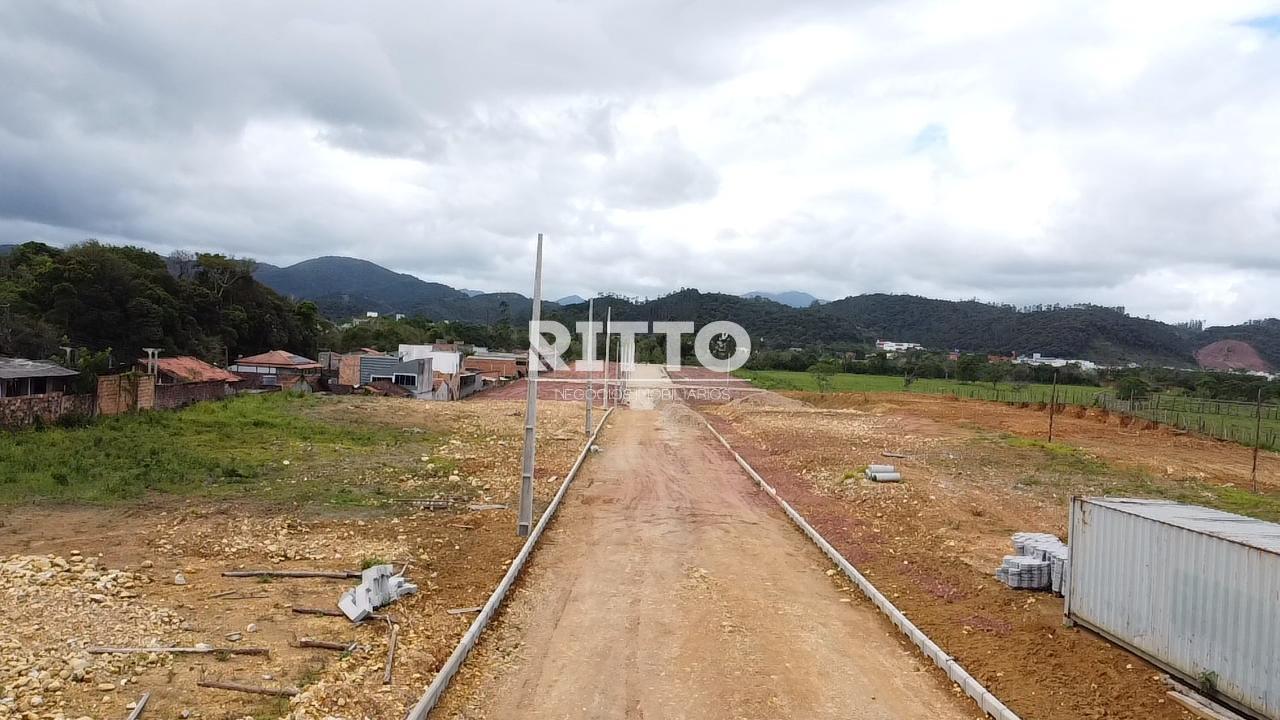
(1114, 152)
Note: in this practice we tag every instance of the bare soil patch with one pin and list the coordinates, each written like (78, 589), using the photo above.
(148, 573)
(932, 542)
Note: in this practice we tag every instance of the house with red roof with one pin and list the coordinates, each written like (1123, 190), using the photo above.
(278, 369)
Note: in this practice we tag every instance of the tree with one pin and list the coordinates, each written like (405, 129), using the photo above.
(221, 273)
(969, 368)
(822, 373)
(996, 372)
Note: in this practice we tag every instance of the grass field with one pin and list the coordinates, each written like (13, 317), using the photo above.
(1221, 419)
(233, 447)
(845, 382)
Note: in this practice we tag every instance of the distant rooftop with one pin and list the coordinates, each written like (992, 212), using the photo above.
(191, 369)
(279, 358)
(13, 368)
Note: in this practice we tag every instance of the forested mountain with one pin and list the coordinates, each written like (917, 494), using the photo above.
(123, 299)
(345, 287)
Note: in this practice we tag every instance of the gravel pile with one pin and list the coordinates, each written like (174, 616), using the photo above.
(56, 608)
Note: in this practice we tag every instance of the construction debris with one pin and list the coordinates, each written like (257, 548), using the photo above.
(378, 587)
(883, 473)
(1040, 562)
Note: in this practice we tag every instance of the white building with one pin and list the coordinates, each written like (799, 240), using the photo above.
(891, 346)
(1038, 359)
(442, 361)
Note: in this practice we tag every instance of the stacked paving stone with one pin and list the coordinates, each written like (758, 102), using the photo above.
(1040, 562)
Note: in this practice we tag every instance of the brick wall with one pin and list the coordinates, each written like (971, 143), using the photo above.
(168, 397)
(25, 411)
(125, 393)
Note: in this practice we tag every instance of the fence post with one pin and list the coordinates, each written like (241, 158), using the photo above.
(1257, 440)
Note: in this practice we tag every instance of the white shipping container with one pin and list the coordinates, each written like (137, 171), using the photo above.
(1194, 590)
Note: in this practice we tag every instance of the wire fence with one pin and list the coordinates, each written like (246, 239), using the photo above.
(1222, 419)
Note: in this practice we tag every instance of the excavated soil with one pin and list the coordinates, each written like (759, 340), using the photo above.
(932, 542)
(76, 577)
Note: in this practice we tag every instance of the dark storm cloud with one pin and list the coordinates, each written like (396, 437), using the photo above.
(1027, 153)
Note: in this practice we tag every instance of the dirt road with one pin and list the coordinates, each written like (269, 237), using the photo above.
(670, 588)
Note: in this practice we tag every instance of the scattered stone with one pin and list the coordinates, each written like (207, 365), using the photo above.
(179, 579)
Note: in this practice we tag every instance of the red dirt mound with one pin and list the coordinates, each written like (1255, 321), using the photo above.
(1231, 355)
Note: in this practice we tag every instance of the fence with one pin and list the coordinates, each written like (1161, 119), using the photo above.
(1222, 419)
(19, 412)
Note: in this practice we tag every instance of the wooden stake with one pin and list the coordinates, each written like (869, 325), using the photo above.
(1053, 404)
(237, 687)
(391, 652)
(1257, 441)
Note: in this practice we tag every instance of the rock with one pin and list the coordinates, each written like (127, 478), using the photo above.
(106, 687)
(251, 627)
(148, 564)
(179, 579)
(234, 637)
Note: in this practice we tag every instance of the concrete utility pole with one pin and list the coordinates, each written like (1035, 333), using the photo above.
(66, 349)
(608, 324)
(589, 349)
(525, 521)
(153, 356)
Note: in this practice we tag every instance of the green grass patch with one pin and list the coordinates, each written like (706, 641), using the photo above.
(245, 444)
(787, 380)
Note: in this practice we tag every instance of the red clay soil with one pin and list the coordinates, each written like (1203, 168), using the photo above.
(1164, 451)
(1231, 355)
(569, 385)
(931, 545)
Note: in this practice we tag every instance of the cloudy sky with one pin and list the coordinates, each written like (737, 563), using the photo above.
(1114, 152)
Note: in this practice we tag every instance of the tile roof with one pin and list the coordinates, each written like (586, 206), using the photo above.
(189, 369)
(280, 358)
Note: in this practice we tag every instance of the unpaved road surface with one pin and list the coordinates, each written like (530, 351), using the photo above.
(669, 587)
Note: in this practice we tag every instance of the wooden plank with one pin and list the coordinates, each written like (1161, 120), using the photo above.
(339, 574)
(237, 687)
(465, 611)
(100, 650)
(317, 611)
(326, 644)
(391, 653)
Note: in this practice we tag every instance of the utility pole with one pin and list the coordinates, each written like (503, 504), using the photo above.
(589, 349)
(1053, 404)
(1257, 440)
(608, 325)
(525, 522)
(66, 349)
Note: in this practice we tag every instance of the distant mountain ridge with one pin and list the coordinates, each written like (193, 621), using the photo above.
(349, 287)
(792, 298)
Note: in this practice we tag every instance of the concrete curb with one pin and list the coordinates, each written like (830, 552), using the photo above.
(974, 689)
(468, 641)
